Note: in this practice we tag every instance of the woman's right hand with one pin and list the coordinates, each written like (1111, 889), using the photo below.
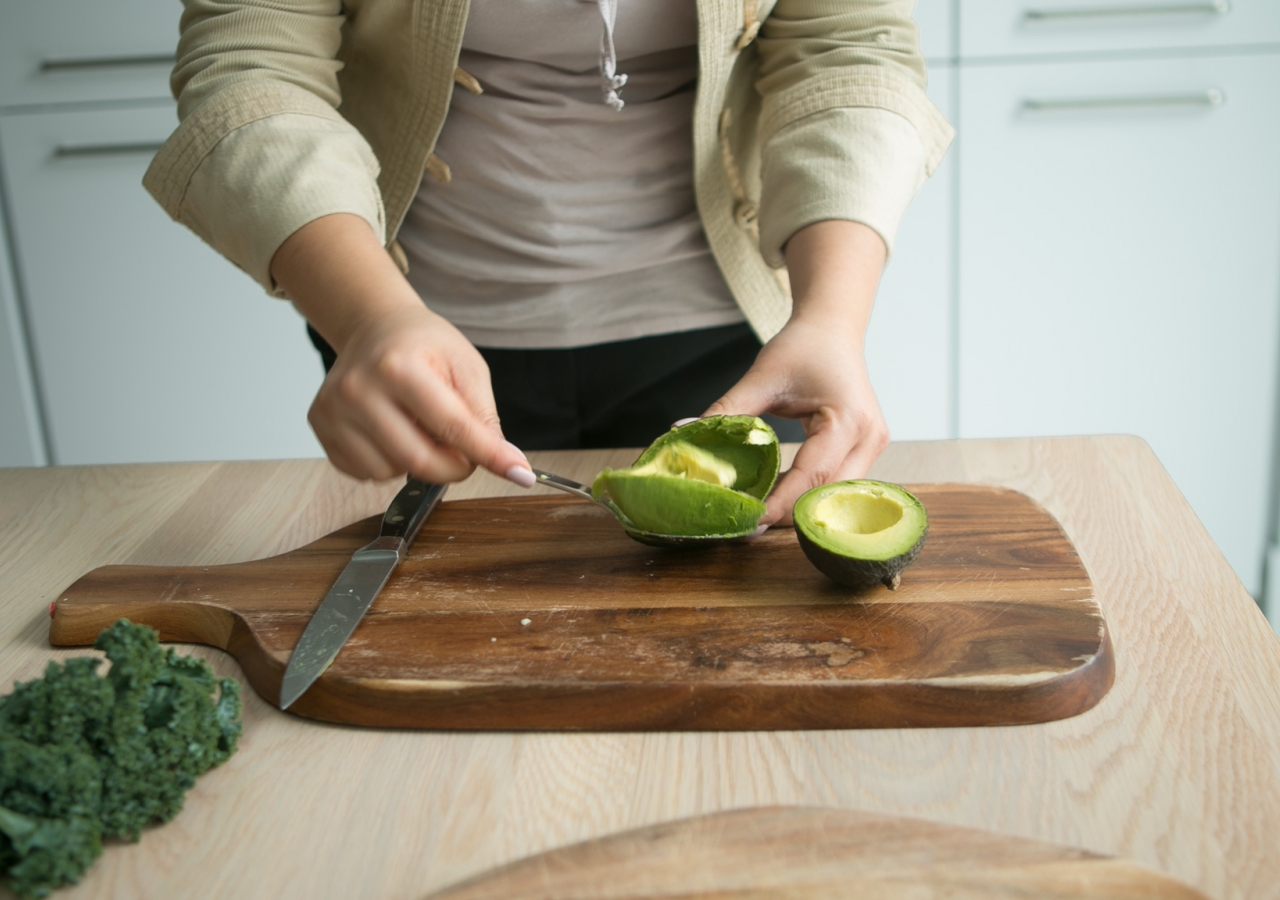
(408, 392)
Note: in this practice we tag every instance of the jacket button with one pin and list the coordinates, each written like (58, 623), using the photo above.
(467, 80)
(438, 169)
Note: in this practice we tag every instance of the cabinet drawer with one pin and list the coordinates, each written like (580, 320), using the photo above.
(1018, 27)
(147, 345)
(1120, 264)
(54, 51)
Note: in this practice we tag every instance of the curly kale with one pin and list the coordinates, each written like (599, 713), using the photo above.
(83, 757)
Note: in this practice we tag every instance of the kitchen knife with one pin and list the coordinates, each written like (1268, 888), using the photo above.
(357, 586)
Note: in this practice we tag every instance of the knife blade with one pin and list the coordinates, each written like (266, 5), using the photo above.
(354, 591)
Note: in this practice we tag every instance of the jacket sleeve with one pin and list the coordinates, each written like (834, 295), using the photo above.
(261, 149)
(846, 129)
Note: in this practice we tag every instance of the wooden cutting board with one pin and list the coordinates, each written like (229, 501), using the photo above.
(539, 613)
(782, 853)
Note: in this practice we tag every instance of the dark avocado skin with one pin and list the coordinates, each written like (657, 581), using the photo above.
(858, 573)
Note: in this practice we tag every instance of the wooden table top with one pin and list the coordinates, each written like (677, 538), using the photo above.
(1178, 767)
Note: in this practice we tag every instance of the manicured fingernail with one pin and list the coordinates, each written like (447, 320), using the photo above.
(759, 531)
(678, 422)
(521, 476)
(516, 449)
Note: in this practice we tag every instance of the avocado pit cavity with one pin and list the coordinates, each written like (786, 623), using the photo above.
(861, 532)
(855, 512)
(684, 460)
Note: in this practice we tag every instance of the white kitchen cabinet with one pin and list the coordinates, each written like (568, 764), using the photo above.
(909, 342)
(1003, 28)
(1271, 593)
(146, 344)
(54, 51)
(21, 443)
(1119, 227)
(935, 19)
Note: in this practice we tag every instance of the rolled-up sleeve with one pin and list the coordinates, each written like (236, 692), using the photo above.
(260, 149)
(846, 129)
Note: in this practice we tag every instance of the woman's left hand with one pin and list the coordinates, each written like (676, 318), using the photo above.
(814, 368)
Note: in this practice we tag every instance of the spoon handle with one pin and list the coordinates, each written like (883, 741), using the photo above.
(565, 484)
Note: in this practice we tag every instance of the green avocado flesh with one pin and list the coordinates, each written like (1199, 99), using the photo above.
(862, 532)
(707, 478)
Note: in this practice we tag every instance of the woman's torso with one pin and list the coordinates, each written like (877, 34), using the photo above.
(567, 222)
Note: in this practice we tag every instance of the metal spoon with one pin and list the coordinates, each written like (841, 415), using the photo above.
(570, 486)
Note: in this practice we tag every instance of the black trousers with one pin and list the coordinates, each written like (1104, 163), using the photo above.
(620, 394)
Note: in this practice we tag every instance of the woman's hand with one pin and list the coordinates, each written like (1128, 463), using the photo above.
(813, 369)
(408, 392)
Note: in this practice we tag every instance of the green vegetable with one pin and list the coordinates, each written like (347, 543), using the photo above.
(861, 532)
(706, 478)
(83, 757)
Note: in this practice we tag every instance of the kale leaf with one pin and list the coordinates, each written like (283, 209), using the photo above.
(85, 757)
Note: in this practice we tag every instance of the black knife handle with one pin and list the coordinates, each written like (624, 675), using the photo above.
(410, 509)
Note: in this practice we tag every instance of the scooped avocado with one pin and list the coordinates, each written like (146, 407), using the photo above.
(858, 533)
(706, 478)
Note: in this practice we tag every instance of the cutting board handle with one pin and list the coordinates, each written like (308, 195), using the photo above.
(209, 604)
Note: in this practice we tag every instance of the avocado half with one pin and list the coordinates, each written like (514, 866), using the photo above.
(708, 478)
(858, 533)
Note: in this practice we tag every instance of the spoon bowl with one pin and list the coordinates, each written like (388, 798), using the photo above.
(569, 486)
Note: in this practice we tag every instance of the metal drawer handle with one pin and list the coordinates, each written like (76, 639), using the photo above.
(77, 151)
(106, 62)
(1214, 8)
(1211, 97)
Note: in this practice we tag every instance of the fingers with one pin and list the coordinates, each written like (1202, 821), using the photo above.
(755, 393)
(450, 421)
(474, 385)
(826, 457)
(476, 390)
(376, 439)
(408, 409)
(360, 458)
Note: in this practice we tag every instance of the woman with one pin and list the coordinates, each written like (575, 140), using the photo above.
(579, 256)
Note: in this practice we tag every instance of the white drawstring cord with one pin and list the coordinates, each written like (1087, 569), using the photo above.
(612, 81)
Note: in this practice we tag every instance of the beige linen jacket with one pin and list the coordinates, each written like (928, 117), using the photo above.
(293, 109)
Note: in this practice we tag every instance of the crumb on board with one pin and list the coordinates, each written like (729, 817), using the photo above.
(526, 621)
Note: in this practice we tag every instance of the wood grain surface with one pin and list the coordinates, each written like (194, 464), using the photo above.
(539, 613)
(1177, 767)
(782, 853)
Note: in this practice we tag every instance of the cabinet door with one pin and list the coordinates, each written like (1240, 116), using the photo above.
(937, 38)
(1119, 268)
(1018, 27)
(147, 345)
(909, 342)
(21, 443)
(55, 51)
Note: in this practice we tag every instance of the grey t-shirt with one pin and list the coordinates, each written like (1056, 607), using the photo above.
(566, 222)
